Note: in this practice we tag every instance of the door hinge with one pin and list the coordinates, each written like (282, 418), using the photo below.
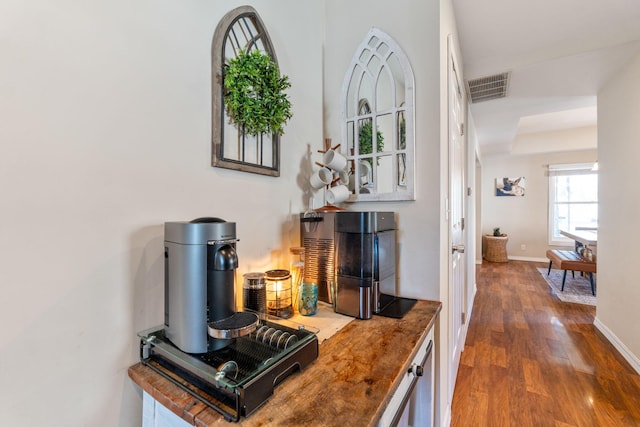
(462, 222)
(464, 317)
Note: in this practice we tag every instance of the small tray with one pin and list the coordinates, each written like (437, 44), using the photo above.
(240, 324)
(395, 307)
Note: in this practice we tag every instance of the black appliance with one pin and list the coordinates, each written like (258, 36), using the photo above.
(365, 261)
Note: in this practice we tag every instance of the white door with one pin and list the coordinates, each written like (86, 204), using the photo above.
(456, 217)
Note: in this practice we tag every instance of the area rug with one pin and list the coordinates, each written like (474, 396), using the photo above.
(576, 289)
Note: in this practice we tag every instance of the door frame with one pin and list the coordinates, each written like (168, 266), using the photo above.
(456, 297)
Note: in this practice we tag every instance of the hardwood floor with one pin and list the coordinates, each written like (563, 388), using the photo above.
(532, 360)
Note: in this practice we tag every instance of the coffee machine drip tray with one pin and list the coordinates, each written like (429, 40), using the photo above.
(240, 324)
(236, 379)
(395, 307)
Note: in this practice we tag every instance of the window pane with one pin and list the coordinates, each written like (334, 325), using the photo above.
(350, 138)
(583, 215)
(575, 203)
(385, 174)
(401, 125)
(365, 136)
(365, 91)
(384, 91)
(364, 56)
(402, 170)
(374, 65)
(352, 96)
(365, 175)
(398, 77)
(384, 137)
(383, 49)
(577, 188)
(568, 216)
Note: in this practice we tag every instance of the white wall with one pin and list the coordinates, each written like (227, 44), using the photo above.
(421, 29)
(414, 26)
(618, 154)
(523, 219)
(105, 135)
(581, 138)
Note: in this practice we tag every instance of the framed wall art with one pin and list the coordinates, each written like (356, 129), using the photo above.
(510, 186)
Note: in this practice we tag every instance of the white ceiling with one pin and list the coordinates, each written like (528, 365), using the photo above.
(559, 53)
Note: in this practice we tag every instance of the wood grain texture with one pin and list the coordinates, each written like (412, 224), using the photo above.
(533, 360)
(350, 383)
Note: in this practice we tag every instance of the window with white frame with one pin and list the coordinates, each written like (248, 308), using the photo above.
(573, 200)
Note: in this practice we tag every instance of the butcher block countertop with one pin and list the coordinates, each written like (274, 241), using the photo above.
(350, 383)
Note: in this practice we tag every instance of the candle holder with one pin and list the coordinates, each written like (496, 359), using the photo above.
(279, 301)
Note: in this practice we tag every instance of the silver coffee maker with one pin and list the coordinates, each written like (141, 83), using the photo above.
(200, 262)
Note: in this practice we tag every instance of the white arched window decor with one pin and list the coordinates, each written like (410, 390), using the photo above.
(232, 148)
(378, 93)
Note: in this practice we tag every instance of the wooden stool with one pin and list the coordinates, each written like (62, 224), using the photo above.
(570, 260)
(496, 248)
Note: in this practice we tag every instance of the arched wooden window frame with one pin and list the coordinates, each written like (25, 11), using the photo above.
(403, 147)
(241, 28)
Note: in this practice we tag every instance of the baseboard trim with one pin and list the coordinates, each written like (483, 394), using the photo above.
(446, 421)
(479, 262)
(471, 301)
(527, 258)
(633, 360)
(467, 316)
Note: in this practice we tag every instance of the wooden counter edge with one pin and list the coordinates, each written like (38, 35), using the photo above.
(195, 412)
(401, 372)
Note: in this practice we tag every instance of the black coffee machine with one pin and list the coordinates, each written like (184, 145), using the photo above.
(365, 262)
(200, 262)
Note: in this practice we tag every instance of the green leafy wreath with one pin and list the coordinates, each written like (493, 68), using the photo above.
(254, 93)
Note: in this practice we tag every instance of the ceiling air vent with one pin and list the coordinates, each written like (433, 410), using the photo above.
(490, 87)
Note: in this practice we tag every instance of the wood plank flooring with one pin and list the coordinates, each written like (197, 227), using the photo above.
(532, 360)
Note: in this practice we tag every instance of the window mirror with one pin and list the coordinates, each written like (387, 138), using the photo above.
(378, 94)
(240, 29)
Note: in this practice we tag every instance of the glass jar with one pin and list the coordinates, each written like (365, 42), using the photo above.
(297, 272)
(254, 292)
(279, 301)
(308, 301)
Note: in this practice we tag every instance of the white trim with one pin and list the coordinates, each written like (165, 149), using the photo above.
(633, 360)
(551, 198)
(571, 169)
(470, 309)
(528, 258)
(468, 313)
(446, 422)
